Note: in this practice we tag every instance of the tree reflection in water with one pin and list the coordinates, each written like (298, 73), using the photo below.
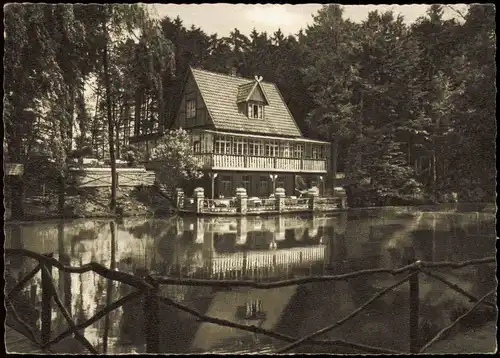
(192, 247)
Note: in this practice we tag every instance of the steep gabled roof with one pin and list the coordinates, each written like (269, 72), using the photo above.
(221, 94)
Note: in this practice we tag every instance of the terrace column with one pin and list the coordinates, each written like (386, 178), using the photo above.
(322, 180)
(212, 179)
(273, 179)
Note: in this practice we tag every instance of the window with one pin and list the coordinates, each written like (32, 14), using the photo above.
(285, 150)
(318, 152)
(298, 151)
(271, 149)
(240, 146)
(263, 190)
(197, 147)
(256, 147)
(222, 145)
(255, 111)
(246, 182)
(226, 186)
(254, 309)
(190, 109)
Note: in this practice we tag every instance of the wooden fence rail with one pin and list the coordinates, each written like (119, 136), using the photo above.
(148, 289)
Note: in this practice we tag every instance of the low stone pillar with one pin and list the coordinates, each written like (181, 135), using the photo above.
(313, 194)
(279, 194)
(339, 192)
(198, 196)
(241, 200)
(179, 198)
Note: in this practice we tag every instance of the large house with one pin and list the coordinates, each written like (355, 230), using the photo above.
(245, 135)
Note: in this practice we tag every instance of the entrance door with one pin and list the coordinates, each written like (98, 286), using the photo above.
(246, 182)
(263, 186)
(226, 187)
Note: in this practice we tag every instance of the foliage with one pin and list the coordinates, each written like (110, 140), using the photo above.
(131, 154)
(397, 95)
(176, 160)
(411, 107)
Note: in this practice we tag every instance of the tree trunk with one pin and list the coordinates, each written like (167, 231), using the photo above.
(16, 182)
(95, 132)
(138, 110)
(119, 127)
(434, 169)
(111, 137)
(335, 151)
(409, 149)
(61, 194)
(17, 197)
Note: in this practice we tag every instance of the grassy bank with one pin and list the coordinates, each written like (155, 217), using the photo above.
(94, 203)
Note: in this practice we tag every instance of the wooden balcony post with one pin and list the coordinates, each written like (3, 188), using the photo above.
(46, 314)
(414, 303)
(152, 320)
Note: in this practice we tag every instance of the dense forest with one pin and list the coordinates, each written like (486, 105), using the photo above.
(409, 106)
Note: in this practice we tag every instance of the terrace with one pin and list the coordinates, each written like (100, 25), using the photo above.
(275, 204)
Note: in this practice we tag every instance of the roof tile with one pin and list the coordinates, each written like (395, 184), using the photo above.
(221, 94)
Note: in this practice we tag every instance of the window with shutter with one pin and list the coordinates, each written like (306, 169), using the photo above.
(191, 109)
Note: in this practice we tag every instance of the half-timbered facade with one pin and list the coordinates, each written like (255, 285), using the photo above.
(245, 136)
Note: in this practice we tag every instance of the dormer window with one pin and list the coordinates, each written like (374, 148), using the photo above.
(255, 111)
(252, 96)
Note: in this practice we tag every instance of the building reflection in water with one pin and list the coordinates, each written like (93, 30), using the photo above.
(253, 248)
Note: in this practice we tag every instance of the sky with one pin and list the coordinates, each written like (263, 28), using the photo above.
(223, 18)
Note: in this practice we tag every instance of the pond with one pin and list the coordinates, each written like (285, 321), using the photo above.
(264, 249)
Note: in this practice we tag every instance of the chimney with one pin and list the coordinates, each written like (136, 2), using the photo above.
(234, 71)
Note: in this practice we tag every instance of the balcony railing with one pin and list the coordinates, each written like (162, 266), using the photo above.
(219, 205)
(245, 162)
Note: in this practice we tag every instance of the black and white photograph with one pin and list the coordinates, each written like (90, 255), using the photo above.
(249, 179)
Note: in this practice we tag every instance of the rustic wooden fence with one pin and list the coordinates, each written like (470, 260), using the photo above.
(101, 177)
(148, 288)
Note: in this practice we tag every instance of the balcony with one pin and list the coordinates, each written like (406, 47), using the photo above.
(258, 163)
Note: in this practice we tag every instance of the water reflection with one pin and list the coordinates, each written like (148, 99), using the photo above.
(256, 248)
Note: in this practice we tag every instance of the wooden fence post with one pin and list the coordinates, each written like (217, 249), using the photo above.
(46, 314)
(152, 319)
(414, 304)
